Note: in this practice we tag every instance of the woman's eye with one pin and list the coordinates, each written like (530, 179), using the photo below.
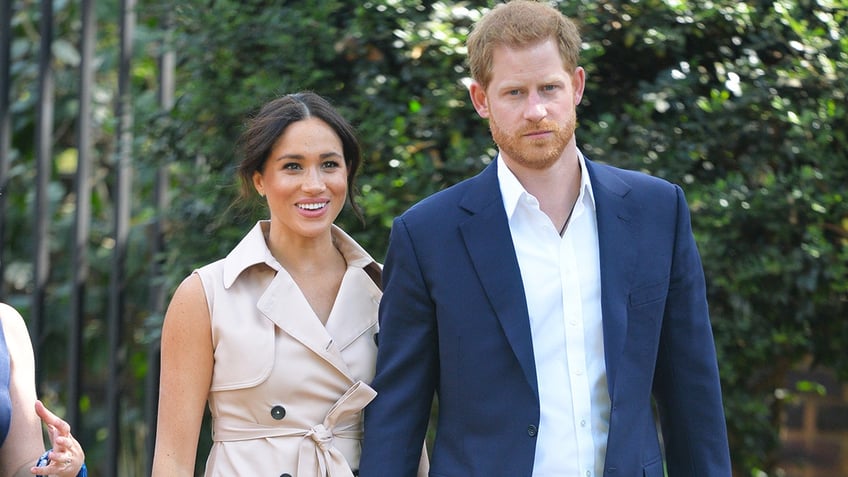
(292, 166)
(331, 164)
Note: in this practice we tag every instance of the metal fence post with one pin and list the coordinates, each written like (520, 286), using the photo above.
(82, 214)
(122, 202)
(5, 124)
(44, 153)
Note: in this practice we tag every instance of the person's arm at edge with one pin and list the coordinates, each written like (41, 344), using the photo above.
(185, 379)
(24, 444)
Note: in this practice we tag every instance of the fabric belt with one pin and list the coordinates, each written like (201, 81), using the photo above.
(316, 454)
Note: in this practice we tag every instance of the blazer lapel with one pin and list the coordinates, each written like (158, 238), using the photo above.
(615, 231)
(489, 243)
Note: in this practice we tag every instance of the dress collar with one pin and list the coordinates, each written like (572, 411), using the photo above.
(253, 250)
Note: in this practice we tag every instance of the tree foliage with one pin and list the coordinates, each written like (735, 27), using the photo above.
(742, 103)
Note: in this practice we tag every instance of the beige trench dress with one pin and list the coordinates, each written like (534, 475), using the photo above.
(288, 392)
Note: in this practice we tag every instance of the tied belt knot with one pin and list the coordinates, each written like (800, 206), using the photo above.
(322, 436)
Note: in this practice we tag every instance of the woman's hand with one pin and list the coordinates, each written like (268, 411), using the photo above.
(67, 456)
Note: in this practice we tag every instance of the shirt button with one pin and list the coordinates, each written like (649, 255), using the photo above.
(278, 412)
(285, 475)
(531, 430)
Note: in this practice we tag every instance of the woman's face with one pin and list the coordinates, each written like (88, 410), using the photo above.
(304, 179)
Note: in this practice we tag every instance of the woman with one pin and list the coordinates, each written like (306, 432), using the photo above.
(21, 441)
(279, 337)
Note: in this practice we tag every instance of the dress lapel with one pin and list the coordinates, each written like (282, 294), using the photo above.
(355, 309)
(284, 304)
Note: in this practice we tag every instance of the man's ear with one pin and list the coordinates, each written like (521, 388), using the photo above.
(578, 83)
(479, 99)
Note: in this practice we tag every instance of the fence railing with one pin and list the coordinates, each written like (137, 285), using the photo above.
(122, 194)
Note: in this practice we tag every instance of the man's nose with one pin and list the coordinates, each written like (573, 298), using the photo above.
(536, 108)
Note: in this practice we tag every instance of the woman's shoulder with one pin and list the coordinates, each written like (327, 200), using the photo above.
(14, 327)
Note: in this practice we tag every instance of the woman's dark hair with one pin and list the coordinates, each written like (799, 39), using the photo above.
(265, 128)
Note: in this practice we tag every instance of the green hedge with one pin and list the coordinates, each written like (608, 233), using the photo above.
(742, 103)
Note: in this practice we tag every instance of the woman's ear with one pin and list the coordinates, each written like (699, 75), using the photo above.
(257, 183)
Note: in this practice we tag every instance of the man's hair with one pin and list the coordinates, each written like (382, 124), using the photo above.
(519, 24)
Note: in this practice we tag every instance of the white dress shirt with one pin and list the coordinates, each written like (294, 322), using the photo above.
(562, 284)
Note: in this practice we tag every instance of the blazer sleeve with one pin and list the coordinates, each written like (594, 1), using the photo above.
(407, 365)
(686, 386)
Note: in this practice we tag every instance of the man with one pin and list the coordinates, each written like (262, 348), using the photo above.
(550, 302)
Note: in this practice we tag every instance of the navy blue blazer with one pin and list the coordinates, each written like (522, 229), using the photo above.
(454, 322)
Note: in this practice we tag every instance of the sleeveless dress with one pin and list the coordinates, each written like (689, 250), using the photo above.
(287, 391)
(5, 399)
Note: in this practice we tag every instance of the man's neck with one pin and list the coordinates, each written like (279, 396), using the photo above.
(556, 187)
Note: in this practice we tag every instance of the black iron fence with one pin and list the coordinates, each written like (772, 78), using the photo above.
(97, 413)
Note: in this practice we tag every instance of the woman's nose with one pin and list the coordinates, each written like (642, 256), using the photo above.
(313, 181)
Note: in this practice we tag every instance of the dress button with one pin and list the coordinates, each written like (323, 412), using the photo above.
(278, 412)
(531, 430)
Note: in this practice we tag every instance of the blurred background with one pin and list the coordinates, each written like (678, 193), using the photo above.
(117, 128)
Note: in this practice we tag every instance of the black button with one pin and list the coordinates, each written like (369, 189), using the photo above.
(278, 412)
(285, 475)
(531, 430)
(377, 339)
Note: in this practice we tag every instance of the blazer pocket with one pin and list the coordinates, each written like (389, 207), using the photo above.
(654, 469)
(648, 294)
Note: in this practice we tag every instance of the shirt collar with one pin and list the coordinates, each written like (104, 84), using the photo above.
(253, 250)
(512, 191)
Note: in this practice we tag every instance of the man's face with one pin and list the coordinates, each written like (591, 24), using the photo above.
(530, 104)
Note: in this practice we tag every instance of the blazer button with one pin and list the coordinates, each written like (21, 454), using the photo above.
(377, 339)
(278, 412)
(532, 431)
